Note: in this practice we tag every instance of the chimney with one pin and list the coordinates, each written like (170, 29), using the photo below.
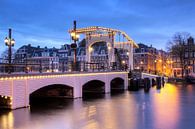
(190, 40)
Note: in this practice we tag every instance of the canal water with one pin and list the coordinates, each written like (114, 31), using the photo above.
(171, 107)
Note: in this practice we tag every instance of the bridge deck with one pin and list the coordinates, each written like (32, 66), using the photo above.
(21, 75)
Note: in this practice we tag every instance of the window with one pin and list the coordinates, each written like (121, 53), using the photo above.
(191, 54)
(142, 50)
(82, 53)
(102, 51)
(191, 61)
(186, 55)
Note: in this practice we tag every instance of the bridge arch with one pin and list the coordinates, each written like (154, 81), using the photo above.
(93, 87)
(52, 91)
(98, 41)
(117, 84)
(100, 48)
(103, 39)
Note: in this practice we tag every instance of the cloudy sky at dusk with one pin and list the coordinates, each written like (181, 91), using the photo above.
(45, 22)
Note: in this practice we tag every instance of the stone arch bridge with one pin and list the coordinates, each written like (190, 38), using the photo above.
(19, 87)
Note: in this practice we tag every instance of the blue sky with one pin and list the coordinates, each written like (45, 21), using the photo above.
(45, 22)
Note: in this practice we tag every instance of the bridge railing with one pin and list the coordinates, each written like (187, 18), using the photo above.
(22, 68)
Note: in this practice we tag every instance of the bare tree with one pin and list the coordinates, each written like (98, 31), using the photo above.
(176, 47)
(4, 55)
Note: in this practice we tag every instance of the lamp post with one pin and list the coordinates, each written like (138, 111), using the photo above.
(75, 38)
(161, 66)
(10, 43)
(155, 61)
(171, 68)
(26, 64)
(52, 67)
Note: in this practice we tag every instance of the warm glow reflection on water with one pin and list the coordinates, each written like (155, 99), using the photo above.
(166, 107)
(172, 107)
(7, 121)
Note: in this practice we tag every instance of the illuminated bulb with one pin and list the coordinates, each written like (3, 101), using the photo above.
(10, 103)
(77, 36)
(5, 97)
(6, 40)
(90, 49)
(109, 48)
(12, 42)
(72, 34)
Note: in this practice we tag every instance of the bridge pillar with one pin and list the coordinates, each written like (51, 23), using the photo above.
(151, 81)
(111, 57)
(77, 93)
(130, 57)
(77, 90)
(126, 82)
(107, 87)
(20, 94)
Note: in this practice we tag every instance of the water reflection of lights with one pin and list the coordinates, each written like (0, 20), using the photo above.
(166, 107)
(7, 121)
(91, 124)
(89, 113)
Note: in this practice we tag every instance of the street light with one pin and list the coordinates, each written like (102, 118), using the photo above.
(155, 72)
(75, 38)
(10, 43)
(123, 62)
(90, 49)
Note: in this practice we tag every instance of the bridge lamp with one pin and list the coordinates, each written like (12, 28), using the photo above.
(123, 62)
(109, 47)
(9, 41)
(6, 41)
(75, 36)
(90, 49)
